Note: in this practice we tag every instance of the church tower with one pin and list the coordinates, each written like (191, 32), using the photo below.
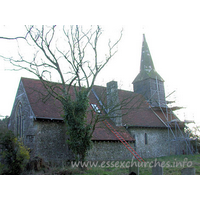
(148, 82)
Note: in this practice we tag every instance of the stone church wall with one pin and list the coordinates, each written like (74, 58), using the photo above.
(28, 129)
(50, 141)
(158, 143)
(50, 144)
(45, 138)
(48, 138)
(109, 151)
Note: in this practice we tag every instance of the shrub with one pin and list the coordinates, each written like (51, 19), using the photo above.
(14, 156)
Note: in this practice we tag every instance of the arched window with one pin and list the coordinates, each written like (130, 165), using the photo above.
(146, 138)
(19, 121)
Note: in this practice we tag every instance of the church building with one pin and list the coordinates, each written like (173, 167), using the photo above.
(143, 126)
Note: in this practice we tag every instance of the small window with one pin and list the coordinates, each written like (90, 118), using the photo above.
(95, 108)
(19, 121)
(146, 139)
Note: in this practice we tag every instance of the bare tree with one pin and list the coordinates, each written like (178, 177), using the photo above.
(71, 52)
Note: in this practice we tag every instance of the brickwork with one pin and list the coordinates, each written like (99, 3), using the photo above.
(114, 103)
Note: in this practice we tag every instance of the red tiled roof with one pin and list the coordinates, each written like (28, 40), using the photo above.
(139, 112)
(43, 106)
(136, 112)
(46, 107)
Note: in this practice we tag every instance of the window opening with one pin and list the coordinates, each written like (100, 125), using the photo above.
(146, 139)
(96, 108)
(19, 121)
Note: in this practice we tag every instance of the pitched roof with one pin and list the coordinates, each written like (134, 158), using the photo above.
(43, 106)
(136, 112)
(46, 107)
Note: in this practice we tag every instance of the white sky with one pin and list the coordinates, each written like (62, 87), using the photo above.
(172, 32)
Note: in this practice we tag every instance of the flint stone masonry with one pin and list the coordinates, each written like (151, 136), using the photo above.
(47, 139)
(158, 143)
(28, 129)
(50, 141)
(109, 151)
(188, 171)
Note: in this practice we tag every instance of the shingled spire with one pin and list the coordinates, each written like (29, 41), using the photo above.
(148, 82)
(146, 62)
(147, 69)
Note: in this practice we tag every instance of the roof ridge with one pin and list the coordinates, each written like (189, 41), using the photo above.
(39, 80)
(99, 86)
(137, 116)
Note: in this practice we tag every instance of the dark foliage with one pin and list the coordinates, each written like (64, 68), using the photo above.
(13, 155)
(79, 131)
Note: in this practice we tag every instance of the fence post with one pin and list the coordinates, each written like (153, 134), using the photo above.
(134, 170)
(188, 171)
(157, 169)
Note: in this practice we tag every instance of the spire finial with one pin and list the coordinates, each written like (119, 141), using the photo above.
(144, 38)
(143, 31)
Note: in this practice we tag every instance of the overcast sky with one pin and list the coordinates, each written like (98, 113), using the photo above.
(172, 32)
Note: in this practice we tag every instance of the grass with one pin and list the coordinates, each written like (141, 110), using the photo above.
(173, 166)
(108, 169)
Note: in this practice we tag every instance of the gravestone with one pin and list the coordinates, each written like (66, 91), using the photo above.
(188, 171)
(157, 169)
(134, 170)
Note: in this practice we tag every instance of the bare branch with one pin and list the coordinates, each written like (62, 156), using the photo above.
(16, 38)
(78, 64)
